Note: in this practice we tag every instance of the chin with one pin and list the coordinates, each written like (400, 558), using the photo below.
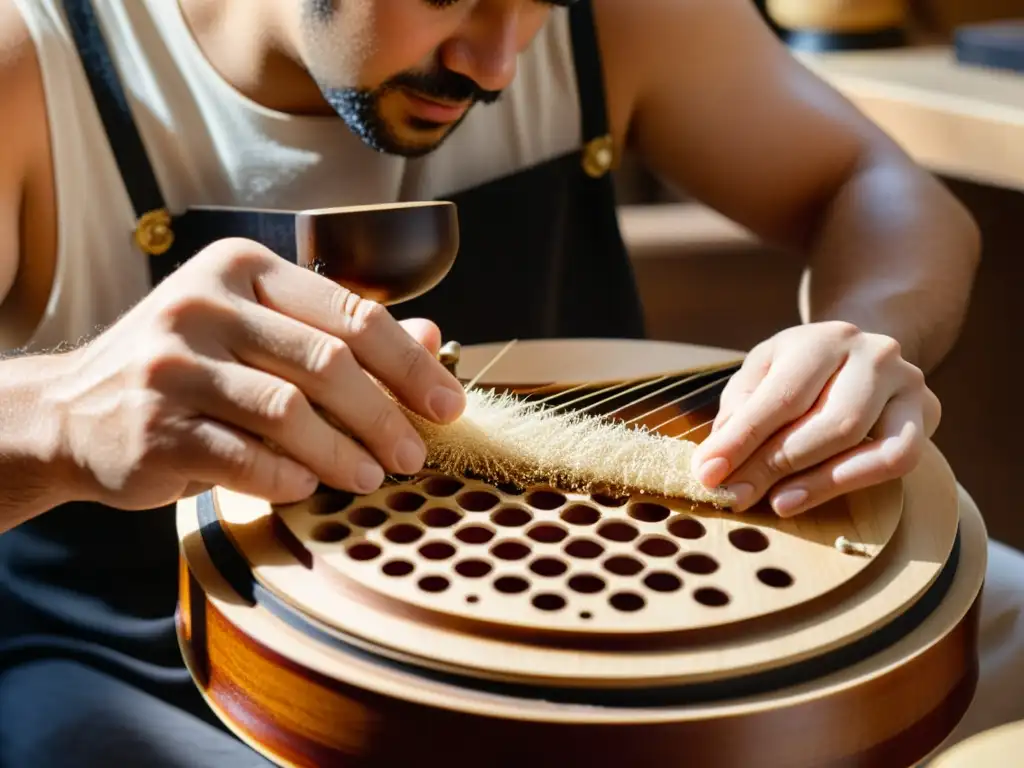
(385, 127)
(410, 138)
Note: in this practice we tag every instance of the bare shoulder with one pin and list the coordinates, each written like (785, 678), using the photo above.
(22, 87)
(713, 101)
(25, 171)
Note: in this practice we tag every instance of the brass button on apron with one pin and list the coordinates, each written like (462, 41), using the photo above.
(153, 232)
(598, 156)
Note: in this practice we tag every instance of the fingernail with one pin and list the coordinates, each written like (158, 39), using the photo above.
(445, 404)
(409, 456)
(369, 476)
(789, 501)
(743, 493)
(306, 480)
(713, 472)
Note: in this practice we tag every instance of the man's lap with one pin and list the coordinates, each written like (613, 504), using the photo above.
(63, 714)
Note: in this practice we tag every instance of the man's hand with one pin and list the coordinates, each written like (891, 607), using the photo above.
(815, 412)
(233, 350)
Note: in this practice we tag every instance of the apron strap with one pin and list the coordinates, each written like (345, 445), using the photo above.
(168, 240)
(598, 147)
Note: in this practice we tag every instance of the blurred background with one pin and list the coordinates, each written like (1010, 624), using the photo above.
(965, 122)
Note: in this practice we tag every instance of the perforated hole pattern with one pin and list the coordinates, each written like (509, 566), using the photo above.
(587, 555)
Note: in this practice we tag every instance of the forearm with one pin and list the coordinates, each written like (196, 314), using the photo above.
(30, 478)
(895, 254)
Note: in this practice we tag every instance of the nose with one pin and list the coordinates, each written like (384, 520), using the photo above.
(487, 48)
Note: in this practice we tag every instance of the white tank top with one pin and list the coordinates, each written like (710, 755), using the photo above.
(210, 145)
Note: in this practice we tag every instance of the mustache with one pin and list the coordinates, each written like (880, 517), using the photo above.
(444, 85)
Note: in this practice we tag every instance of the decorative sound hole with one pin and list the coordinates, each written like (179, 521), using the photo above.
(606, 500)
(511, 517)
(328, 504)
(618, 531)
(397, 568)
(331, 533)
(657, 546)
(510, 550)
(711, 597)
(586, 584)
(363, 551)
(547, 533)
(434, 584)
(545, 499)
(661, 581)
(581, 514)
(602, 579)
(623, 566)
(406, 501)
(403, 533)
(549, 602)
(511, 585)
(748, 540)
(548, 566)
(775, 577)
(440, 517)
(474, 534)
(699, 564)
(478, 501)
(647, 512)
(584, 549)
(442, 487)
(628, 602)
(437, 550)
(473, 569)
(686, 528)
(367, 517)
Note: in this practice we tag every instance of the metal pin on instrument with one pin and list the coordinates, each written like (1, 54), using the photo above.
(450, 353)
(848, 547)
(449, 357)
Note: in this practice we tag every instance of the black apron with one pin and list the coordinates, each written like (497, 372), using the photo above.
(90, 591)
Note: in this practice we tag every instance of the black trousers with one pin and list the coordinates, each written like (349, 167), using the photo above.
(62, 714)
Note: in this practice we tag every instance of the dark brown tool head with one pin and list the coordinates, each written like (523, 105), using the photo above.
(389, 253)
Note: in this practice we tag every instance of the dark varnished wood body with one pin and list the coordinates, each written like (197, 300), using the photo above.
(389, 253)
(299, 718)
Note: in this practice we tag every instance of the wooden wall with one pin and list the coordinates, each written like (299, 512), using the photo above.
(943, 16)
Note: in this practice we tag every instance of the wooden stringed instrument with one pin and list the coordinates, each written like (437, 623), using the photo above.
(451, 620)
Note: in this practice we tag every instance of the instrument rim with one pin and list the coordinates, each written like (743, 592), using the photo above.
(231, 566)
(570, 353)
(965, 588)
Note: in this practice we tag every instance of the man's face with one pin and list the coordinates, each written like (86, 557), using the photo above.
(403, 74)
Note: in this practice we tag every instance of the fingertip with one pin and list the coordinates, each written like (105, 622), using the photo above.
(710, 472)
(295, 483)
(790, 502)
(426, 332)
(446, 404)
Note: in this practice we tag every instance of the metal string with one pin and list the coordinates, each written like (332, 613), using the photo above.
(614, 391)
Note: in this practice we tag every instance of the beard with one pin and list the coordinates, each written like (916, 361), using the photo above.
(361, 110)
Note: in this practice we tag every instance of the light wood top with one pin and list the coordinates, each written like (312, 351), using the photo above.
(958, 120)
